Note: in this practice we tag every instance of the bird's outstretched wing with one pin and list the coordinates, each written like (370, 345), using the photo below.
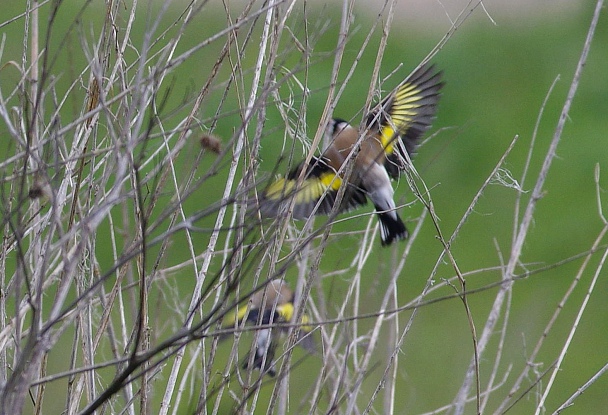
(403, 117)
(320, 183)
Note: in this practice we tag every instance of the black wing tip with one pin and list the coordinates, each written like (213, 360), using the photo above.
(425, 70)
(427, 78)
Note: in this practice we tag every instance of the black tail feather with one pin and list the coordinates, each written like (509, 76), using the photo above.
(392, 228)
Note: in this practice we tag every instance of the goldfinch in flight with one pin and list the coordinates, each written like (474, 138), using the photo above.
(273, 304)
(392, 129)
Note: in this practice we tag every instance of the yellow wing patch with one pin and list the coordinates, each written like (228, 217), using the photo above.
(306, 328)
(330, 180)
(286, 313)
(237, 316)
(312, 188)
(388, 135)
(403, 110)
(280, 188)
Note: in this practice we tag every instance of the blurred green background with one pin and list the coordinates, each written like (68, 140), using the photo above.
(497, 76)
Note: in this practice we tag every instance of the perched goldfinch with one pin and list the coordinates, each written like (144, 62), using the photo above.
(392, 128)
(273, 304)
